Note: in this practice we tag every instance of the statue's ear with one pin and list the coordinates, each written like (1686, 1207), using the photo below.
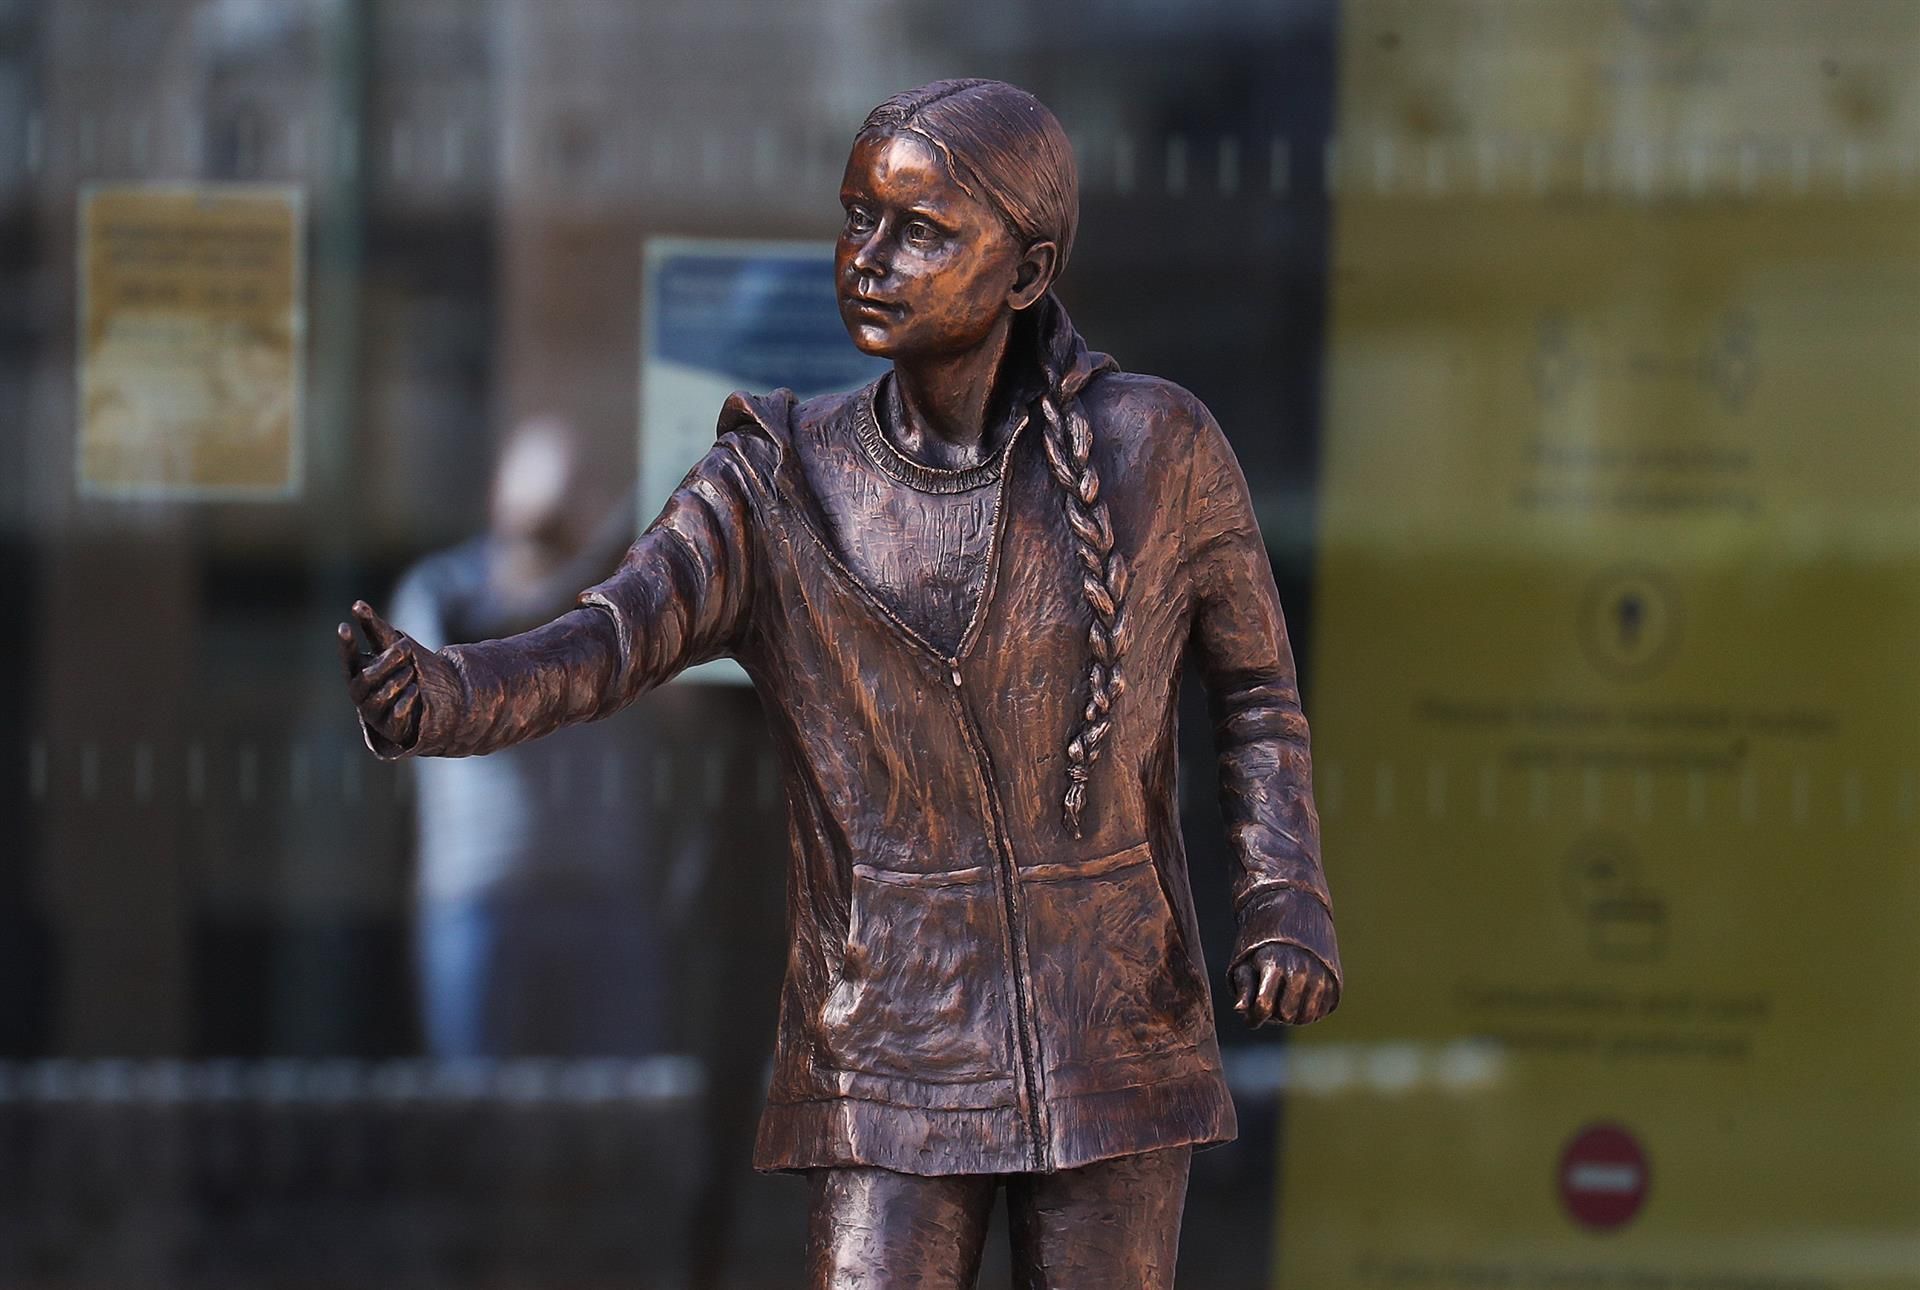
(1034, 274)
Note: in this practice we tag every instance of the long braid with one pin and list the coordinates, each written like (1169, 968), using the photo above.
(1103, 579)
(1001, 145)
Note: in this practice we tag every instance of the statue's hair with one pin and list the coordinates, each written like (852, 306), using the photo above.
(1005, 148)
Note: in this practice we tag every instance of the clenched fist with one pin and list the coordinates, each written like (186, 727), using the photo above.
(1283, 983)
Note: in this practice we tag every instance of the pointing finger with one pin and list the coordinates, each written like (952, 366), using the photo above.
(377, 628)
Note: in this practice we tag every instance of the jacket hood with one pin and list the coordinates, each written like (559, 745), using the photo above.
(764, 416)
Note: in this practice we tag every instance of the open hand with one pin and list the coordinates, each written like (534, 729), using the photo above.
(384, 681)
(1283, 983)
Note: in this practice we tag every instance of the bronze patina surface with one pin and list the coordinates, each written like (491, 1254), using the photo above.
(965, 594)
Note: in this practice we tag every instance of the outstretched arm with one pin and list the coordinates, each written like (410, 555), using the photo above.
(678, 598)
(1286, 963)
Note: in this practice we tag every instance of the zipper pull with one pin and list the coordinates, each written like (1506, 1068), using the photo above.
(954, 663)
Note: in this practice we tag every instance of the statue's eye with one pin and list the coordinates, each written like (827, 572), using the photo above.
(858, 221)
(921, 233)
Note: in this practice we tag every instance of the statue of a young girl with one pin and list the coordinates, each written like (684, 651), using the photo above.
(964, 593)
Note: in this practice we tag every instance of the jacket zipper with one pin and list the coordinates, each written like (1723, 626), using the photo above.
(1026, 1042)
(1026, 1024)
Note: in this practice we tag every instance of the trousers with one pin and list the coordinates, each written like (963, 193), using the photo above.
(1112, 1225)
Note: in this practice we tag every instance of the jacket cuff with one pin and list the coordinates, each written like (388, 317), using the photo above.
(446, 699)
(1288, 916)
(385, 749)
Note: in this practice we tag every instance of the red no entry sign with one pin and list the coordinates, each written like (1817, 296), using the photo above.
(1603, 1176)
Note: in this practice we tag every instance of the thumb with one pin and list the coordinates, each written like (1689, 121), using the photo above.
(1243, 986)
(349, 649)
(378, 630)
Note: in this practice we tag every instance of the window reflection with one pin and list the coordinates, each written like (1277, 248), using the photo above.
(1567, 348)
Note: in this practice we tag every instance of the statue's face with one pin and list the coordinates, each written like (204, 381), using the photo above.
(922, 268)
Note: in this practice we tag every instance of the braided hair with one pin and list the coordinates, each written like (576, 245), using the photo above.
(1002, 146)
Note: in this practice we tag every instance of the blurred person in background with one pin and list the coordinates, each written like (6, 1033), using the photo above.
(555, 896)
(544, 888)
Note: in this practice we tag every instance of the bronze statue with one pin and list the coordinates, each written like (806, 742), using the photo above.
(964, 593)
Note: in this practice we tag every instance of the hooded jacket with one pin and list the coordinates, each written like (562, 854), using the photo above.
(969, 987)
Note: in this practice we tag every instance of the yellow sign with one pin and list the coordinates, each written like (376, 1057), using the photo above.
(1617, 720)
(191, 341)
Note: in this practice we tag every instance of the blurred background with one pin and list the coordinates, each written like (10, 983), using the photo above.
(1571, 348)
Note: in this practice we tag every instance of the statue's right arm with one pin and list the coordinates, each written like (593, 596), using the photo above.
(679, 597)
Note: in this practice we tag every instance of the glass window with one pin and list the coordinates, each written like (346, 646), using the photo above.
(1568, 349)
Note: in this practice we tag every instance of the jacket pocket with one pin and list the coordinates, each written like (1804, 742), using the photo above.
(919, 995)
(1111, 977)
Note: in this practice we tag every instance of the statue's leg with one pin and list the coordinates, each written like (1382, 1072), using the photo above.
(874, 1229)
(1109, 1225)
